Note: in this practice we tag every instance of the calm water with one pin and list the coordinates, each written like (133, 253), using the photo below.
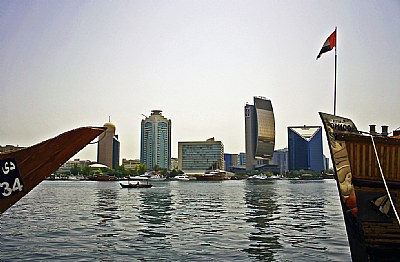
(177, 221)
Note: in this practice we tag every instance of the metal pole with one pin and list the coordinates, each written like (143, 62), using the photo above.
(334, 89)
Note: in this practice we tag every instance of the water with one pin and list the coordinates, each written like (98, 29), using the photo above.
(176, 221)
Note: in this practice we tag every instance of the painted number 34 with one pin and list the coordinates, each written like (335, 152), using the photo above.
(8, 190)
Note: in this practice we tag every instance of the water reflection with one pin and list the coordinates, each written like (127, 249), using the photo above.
(177, 221)
(304, 218)
(107, 212)
(261, 201)
(107, 208)
(154, 215)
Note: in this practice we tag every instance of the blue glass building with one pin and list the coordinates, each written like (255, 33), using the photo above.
(231, 161)
(305, 148)
(116, 152)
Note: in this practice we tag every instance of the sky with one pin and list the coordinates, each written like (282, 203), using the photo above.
(67, 64)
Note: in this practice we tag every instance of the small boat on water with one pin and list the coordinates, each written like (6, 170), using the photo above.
(135, 185)
(153, 176)
(137, 182)
(214, 175)
(157, 178)
(24, 169)
(274, 177)
(367, 173)
(264, 177)
(181, 178)
(102, 177)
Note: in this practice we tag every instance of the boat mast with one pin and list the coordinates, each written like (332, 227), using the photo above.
(334, 88)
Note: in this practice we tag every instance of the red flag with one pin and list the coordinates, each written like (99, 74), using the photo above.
(329, 44)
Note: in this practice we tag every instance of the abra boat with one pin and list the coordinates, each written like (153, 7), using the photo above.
(23, 169)
(367, 172)
(137, 182)
(213, 175)
(135, 185)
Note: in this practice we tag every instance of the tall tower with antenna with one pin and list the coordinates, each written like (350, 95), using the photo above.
(108, 150)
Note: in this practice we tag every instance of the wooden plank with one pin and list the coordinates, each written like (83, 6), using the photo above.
(386, 162)
(371, 159)
(392, 162)
(364, 164)
(363, 158)
(396, 162)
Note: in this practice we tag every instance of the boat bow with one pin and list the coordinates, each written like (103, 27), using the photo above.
(23, 169)
(362, 164)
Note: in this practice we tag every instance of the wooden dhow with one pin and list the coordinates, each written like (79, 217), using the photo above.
(23, 169)
(367, 171)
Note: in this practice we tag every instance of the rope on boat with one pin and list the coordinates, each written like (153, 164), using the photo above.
(384, 180)
(100, 138)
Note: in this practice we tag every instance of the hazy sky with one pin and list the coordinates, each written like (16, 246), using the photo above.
(66, 64)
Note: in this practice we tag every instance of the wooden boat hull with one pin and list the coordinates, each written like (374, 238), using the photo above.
(23, 169)
(372, 229)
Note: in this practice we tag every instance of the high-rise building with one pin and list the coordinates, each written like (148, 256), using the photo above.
(242, 159)
(198, 156)
(108, 147)
(155, 146)
(281, 160)
(231, 161)
(305, 148)
(259, 132)
(130, 163)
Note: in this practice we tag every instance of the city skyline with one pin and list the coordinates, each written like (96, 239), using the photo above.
(67, 64)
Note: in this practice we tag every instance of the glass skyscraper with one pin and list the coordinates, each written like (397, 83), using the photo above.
(305, 148)
(259, 132)
(155, 146)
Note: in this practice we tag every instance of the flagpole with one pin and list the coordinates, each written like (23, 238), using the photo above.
(334, 89)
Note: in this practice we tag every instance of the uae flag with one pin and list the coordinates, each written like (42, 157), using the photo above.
(329, 44)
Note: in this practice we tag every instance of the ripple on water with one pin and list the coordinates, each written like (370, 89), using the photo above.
(173, 221)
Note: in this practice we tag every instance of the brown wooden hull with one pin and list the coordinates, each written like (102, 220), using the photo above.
(372, 228)
(24, 169)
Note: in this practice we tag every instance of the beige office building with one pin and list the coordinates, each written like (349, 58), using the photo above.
(108, 147)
